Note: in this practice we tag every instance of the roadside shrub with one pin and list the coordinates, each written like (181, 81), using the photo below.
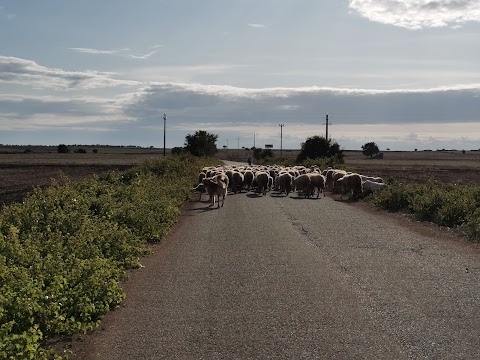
(64, 249)
(472, 226)
(425, 200)
(393, 198)
(457, 206)
(449, 205)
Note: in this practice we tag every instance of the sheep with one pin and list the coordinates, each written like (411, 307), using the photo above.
(248, 179)
(237, 181)
(331, 175)
(270, 182)
(303, 183)
(353, 182)
(284, 183)
(317, 181)
(261, 179)
(229, 174)
(337, 174)
(372, 186)
(371, 178)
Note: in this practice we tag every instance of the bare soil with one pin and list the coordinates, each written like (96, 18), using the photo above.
(419, 167)
(21, 171)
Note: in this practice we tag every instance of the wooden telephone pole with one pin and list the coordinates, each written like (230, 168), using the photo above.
(281, 138)
(326, 129)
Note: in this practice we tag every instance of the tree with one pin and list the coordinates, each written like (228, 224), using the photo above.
(201, 143)
(257, 153)
(63, 149)
(319, 147)
(370, 149)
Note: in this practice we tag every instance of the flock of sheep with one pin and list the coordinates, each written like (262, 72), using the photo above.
(216, 181)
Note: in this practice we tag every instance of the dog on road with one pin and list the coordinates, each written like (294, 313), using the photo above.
(216, 187)
(200, 189)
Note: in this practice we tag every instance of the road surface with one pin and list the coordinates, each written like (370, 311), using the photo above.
(269, 277)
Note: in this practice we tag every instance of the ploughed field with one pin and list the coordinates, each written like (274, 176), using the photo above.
(21, 172)
(420, 166)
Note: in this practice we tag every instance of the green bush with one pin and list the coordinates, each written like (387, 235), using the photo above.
(393, 198)
(447, 205)
(64, 250)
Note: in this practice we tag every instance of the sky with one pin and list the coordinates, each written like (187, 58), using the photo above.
(403, 74)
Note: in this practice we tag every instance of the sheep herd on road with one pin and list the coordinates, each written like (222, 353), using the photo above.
(217, 181)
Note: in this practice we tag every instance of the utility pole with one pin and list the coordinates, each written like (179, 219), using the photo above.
(281, 138)
(238, 143)
(253, 139)
(164, 131)
(326, 130)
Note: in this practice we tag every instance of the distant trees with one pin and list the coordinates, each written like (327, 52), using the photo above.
(201, 143)
(259, 153)
(319, 147)
(370, 149)
(63, 149)
(177, 150)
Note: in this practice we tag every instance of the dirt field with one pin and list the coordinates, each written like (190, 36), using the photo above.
(418, 167)
(409, 166)
(21, 172)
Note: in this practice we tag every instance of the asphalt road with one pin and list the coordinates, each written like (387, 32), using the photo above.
(270, 277)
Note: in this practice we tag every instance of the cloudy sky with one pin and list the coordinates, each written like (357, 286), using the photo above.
(402, 73)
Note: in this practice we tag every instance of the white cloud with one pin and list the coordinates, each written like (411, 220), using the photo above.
(146, 56)
(417, 14)
(439, 117)
(95, 51)
(26, 106)
(29, 73)
(257, 26)
(121, 52)
(217, 103)
(180, 73)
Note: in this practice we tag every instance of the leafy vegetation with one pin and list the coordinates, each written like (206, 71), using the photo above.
(63, 149)
(370, 149)
(319, 147)
(447, 205)
(64, 250)
(201, 143)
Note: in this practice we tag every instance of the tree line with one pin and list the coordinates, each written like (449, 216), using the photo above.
(203, 143)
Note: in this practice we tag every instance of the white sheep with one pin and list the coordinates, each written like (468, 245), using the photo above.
(352, 182)
(261, 180)
(370, 186)
(372, 178)
(317, 181)
(237, 181)
(303, 183)
(284, 182)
